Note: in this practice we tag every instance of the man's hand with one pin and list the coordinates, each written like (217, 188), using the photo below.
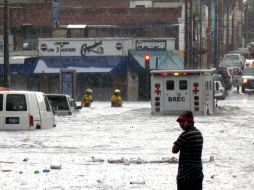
(175, 148)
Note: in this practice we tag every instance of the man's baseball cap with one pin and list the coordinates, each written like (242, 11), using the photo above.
(186, 116)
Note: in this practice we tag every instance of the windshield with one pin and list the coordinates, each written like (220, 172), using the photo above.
(248, 71)
(231, 57)
(58, 102)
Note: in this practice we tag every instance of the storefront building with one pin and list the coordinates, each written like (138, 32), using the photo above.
(71, 65)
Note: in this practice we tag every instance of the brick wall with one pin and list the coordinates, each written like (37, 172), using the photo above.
(96, 3)
(104, 16)
(104, 3)
(37, 14)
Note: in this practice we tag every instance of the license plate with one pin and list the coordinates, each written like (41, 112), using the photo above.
(12, 120)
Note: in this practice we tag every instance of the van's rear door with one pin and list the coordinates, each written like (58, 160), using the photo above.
(176, 94)
(47, 116)
(16, 114)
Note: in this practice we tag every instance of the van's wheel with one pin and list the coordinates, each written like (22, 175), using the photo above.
(243, 89)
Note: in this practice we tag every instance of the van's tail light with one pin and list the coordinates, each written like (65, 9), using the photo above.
(31, 120)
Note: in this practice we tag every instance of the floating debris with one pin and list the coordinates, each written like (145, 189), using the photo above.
(55, 167)
(6, 162)
(141, 161)
(97, 159)
(116, 161)
(137, 161)
(138, 182)
(25, 159)
(6, 170)
(46, 170)
(211, 159)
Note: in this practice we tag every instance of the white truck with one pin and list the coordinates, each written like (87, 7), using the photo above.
(248, 76)
(173, 91)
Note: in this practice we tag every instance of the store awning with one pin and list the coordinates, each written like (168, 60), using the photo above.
(19, 66)
(166, 59)
(14, 59)
(89, 64)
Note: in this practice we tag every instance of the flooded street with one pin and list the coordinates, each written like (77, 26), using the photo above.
(86, 143)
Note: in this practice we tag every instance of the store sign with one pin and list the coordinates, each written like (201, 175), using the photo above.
(155, 45)
(81, 47)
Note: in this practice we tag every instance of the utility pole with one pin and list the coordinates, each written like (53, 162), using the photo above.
(200, 34)
(209, 36)
(6, 82)
(191, 34)
(227, 28)
(215, 56)
(186, 35)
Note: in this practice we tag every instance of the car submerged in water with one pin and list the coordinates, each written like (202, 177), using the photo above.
(62, 104)
(219, 91)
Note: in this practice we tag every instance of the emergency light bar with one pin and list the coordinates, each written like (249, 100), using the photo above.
(176, 74)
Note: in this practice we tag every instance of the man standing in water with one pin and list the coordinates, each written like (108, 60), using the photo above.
(190, 144)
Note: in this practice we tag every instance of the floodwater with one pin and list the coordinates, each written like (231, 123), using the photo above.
(85, 144)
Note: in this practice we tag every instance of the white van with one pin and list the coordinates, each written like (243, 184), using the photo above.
(21, 110)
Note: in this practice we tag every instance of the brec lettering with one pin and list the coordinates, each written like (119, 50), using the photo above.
(176, 99)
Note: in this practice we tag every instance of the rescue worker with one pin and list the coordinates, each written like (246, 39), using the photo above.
(190, 145)
(116, 99)
(87, 98)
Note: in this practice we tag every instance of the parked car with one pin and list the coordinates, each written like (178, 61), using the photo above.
(21, 110)
(219, 91)
(62, 104)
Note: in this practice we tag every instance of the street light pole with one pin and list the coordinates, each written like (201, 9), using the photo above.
(6, 82)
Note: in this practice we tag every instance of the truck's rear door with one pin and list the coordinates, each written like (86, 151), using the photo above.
(177, 94)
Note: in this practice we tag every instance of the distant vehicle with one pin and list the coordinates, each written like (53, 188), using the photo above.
(232, 60)
(21, 110)
(62, 104)
(219, 91)
(248, 76)
(243, 51)
(250, 47)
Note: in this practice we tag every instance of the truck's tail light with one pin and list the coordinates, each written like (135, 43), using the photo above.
(164, 74)
(31, 120)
